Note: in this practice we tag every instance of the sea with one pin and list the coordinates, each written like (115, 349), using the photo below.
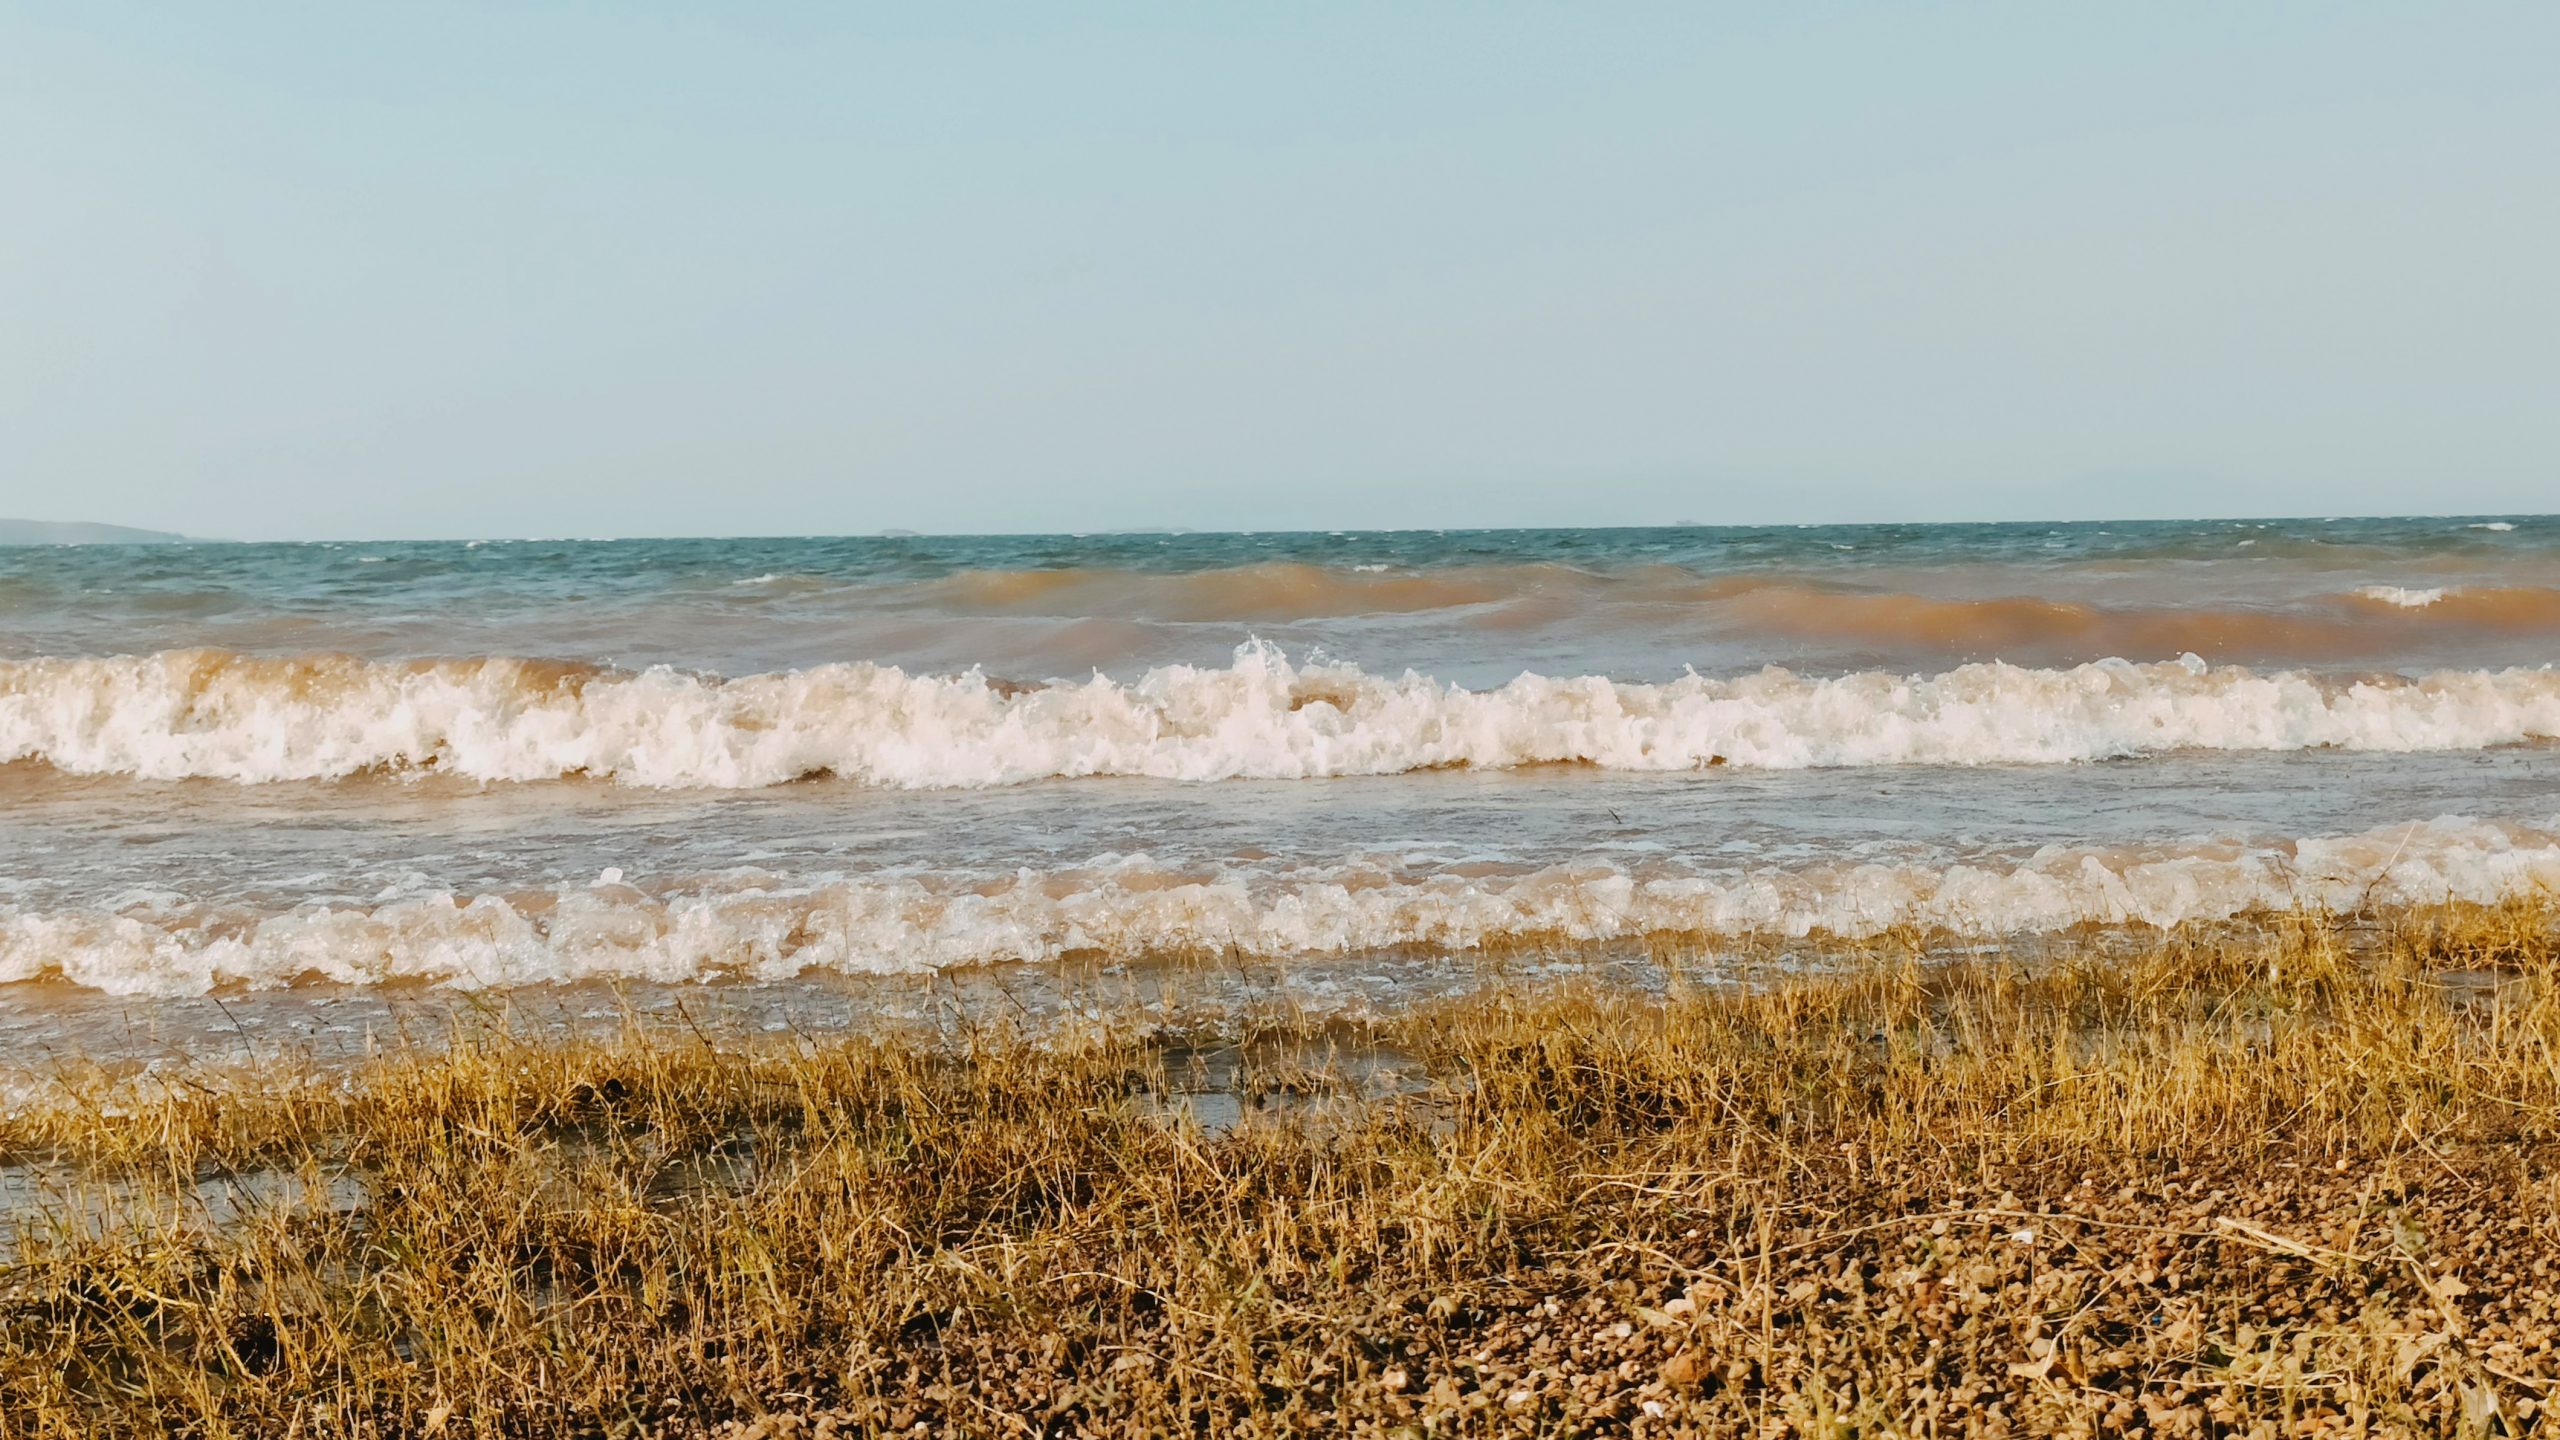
(304, 798)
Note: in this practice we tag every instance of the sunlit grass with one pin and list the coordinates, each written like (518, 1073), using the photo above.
(2294, 1176)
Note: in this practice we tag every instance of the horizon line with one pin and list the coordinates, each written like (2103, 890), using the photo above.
(1186, 531)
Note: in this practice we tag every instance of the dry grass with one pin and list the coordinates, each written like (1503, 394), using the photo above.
(2265, 1182)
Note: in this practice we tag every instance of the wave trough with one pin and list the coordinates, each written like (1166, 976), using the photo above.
(216, 715)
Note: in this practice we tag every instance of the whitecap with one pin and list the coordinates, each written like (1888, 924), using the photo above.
(1129, 906)
(216, 715)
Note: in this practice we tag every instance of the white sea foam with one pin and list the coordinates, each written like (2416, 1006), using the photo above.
(2494, 525)
(186, 714)
(1129, 906)
(2403, 596)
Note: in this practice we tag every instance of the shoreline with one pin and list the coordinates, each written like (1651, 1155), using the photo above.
(2303, 1178)
(237, 1037)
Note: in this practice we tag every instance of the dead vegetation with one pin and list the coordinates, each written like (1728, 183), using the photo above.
(2231, 1184)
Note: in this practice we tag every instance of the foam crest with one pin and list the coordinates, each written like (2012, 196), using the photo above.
(200, 714)
(1129, 906)
(2403, 596)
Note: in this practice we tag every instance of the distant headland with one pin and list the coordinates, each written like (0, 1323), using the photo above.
(73, 532)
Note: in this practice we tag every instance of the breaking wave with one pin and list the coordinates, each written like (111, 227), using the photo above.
(2402, 596)
(216, 715)
(753, 928)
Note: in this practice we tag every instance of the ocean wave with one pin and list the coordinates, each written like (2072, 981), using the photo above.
(1265, 592)
(2402, 597)
(758, 929)
(763, 610)
(2081, 619)
(1805, 603)
(218, 715)
(2366, 621)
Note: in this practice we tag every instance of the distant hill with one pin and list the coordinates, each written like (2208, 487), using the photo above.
(72, 532)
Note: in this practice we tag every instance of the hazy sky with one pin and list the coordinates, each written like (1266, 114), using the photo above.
(480, 269)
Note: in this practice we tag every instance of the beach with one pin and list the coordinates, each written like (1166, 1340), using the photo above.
(2024, 979)
(2283, 1180)
(802, 722)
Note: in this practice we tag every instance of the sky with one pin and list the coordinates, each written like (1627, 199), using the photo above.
(474, 269)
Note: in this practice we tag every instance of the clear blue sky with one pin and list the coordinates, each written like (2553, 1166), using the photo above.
(334, 269)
